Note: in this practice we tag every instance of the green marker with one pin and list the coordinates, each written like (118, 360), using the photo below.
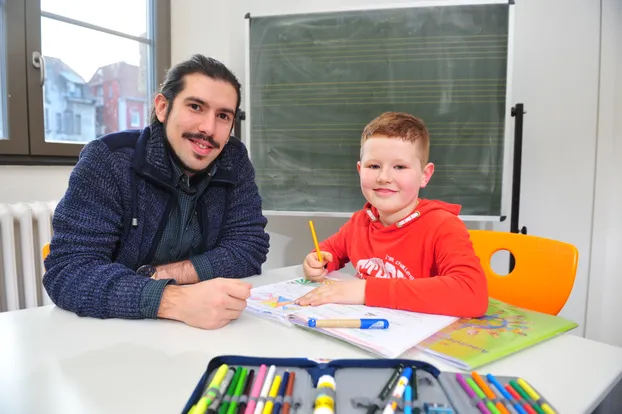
(413, 388)
(475, 388)
(524, 395)
(238, 391)
(232, 385)
(208, 394)
(492, 408)
(413, 383)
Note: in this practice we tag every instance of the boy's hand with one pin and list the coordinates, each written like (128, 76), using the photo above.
(351, 292)
(313, 269)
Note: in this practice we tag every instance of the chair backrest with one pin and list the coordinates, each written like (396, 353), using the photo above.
(45, 251)
(543, 274)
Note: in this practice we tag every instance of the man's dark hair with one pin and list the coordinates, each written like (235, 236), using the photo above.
(174, 79)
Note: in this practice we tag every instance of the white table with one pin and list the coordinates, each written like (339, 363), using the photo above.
(52, 361)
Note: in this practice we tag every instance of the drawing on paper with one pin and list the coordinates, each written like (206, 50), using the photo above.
(275, 301)
(307, 282)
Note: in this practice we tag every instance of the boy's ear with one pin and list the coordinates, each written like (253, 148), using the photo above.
(358, 166)
(428, 170)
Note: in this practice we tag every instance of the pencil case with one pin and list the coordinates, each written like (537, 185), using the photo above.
(355, 386)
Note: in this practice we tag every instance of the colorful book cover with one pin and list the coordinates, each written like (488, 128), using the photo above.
(504, 330)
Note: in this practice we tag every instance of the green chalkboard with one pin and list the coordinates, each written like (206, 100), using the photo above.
(316, 80)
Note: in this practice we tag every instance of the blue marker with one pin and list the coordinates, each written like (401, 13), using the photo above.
(408, 396)
(349, 323)
(505, 394)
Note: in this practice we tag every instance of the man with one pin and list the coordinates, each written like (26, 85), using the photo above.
(162, 222)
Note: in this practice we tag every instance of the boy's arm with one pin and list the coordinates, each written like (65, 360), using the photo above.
(460, 289)
(337, 245)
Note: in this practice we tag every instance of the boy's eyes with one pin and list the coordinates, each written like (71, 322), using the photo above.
(376, 166)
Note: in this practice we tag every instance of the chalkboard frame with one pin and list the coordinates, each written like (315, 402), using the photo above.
(508, 168)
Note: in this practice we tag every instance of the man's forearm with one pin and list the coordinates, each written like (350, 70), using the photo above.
(169, 305)
(184, 272)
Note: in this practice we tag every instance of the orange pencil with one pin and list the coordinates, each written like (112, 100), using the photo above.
(289, 391)
(317, 245)
(482, 384)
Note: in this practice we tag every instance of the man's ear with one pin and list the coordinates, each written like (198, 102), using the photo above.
(428, 170)
(160, 103)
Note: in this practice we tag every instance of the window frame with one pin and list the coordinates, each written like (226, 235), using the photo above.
(25, 108)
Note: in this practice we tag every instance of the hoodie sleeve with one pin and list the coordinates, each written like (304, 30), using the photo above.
(337, 246)
(80, 275)
(244, 243)
(460, 288)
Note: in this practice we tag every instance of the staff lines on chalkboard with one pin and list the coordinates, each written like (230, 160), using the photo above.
(406, 89)
(366, 82)
(382, 48)
(392, 52)
(481, 93)
(471, 143)
(333, 184)
(358, 124)
(391, 102)
(437, 141)
(436, 130)
(351, 171)
(312, 42)
(357, 138)
(383, 88)
(423, 59)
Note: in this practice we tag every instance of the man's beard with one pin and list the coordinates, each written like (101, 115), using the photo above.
(191, 135)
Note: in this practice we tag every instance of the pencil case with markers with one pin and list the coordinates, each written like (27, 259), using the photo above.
(234, 384)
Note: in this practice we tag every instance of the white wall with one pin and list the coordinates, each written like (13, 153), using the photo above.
(556, 79)
(605, 289)
(27, 183)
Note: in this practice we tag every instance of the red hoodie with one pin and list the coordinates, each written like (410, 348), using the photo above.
(423, 263)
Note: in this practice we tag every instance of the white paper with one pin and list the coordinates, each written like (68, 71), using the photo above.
(406, 329)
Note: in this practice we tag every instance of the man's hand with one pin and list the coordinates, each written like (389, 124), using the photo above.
(350, 292)
(184, 272)
(208, 305)
(313, 269)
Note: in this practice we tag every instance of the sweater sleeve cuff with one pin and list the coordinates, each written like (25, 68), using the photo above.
(203, 267)
(151, 296)
(380, 292)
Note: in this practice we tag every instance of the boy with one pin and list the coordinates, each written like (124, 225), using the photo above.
(409, 253)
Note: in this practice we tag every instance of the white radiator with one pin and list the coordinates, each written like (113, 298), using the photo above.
(24, 229)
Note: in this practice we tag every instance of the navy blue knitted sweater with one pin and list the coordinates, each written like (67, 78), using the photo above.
(111, 218)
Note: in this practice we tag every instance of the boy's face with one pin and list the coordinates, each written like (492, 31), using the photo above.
(200, 120)
(391, 176)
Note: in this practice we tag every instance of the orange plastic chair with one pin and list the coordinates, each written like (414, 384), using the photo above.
(543, 274)
(45, 251)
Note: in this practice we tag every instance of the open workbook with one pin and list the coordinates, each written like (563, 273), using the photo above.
(406, 329)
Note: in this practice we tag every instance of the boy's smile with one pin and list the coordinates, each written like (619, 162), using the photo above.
(391, 176)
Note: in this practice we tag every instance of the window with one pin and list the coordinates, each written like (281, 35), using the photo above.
(73, 92)
(3, 57)
(135, 118)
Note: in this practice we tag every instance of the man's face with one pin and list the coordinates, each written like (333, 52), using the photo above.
(200, 121)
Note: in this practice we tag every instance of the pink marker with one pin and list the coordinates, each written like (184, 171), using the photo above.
(252, 400)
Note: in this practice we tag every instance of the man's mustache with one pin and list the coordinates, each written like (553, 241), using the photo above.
(197, 135)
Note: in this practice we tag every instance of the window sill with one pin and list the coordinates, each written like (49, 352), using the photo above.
(36, 160)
